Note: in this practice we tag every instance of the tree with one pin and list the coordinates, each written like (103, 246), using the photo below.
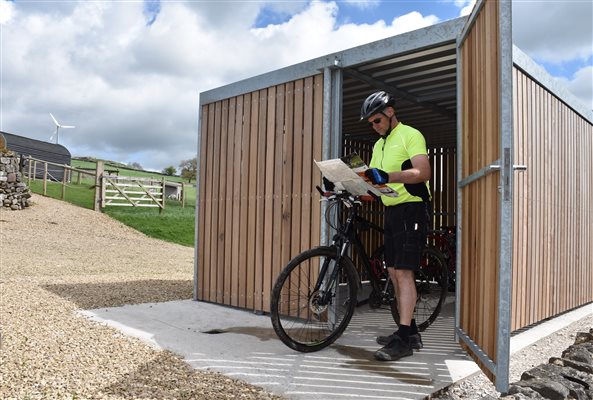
(189, 169)
(170, 170)
(135, 165)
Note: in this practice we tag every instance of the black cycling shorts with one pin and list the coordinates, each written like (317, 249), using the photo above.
(406, 228)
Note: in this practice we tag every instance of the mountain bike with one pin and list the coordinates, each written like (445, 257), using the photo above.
(444, 240)
(315, 295)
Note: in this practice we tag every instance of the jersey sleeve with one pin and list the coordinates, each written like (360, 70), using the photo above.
(416, 144)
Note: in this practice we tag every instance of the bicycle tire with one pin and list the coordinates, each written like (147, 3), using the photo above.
(431, 289)
(298, 320)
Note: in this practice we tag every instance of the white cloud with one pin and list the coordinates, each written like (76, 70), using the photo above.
(466, 7)
(321, 35)
(6, 11)
(581, 85)
(554, 31)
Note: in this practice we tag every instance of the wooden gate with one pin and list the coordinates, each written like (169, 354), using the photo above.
(129, 191)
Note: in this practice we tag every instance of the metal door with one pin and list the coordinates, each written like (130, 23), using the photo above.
(484, 76)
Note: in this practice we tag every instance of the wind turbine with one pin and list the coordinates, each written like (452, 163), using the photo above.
(58, 126)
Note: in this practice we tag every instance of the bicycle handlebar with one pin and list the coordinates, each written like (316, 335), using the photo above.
(344, 194)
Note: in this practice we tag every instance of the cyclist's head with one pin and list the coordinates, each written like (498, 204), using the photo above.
(376, 103)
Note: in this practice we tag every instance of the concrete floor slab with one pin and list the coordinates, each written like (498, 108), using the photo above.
(243, 345)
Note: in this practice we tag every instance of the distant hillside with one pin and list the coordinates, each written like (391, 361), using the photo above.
(121, 169)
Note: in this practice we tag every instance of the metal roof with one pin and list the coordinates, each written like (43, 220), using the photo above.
(423, 83)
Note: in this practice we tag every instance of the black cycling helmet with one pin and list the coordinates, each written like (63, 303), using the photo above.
(375, 103)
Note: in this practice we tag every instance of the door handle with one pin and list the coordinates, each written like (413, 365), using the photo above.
(520, 167)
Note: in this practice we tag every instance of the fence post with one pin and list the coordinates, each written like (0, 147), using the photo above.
(182, 194)
(34, 170)
(45, 179)
(163, 191)
(64, 181)
(98, 185)
(29, 177)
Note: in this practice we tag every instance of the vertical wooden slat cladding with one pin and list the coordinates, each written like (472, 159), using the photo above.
(215, 203)
(252, 204)
(203, 244)
(222, 192)
(481, 143)
(258, 207)
(552, 205)
(236, 221)
(229, 203)
(244, 244)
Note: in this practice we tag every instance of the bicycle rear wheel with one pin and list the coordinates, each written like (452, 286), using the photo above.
(306, 319)
(431, 289)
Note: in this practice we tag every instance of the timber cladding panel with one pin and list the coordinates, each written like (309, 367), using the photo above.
(552, 270)
(258, 206)
(480, 209)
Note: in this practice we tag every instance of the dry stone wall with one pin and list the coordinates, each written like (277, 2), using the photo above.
(566, 377)
(14, 193)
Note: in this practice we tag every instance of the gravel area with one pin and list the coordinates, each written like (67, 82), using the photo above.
(478, 386)
(57, 258)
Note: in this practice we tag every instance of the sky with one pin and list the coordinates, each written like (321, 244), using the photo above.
(127, 74)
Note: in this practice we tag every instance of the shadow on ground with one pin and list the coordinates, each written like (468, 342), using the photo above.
(114, 294)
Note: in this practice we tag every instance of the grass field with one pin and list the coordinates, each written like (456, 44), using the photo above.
(175, 224)
(124, 171)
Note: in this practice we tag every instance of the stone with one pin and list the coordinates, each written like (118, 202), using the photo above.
(517, 392)
(566, 362)
(582, 352)
(575, 381)
(546, 389)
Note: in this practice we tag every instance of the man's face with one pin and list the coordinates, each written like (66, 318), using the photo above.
(380, 123)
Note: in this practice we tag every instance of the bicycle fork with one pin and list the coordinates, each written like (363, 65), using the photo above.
(326, 288)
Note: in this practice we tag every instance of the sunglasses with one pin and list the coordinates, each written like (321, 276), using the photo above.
(375, 121)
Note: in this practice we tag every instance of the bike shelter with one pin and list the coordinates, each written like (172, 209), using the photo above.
(501, 135)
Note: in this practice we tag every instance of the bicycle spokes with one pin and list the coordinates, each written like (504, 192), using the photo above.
(310, 310)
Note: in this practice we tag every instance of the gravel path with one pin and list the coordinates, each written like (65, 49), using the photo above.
(56, 258)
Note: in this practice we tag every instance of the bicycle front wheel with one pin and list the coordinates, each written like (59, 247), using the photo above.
(309, 311)
(431, 289)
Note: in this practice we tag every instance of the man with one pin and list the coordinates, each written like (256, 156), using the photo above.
(400, 160)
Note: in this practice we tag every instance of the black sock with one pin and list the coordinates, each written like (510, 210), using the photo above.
(404, 332)
(414, 327)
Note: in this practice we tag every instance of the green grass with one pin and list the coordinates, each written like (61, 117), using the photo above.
(175, 224)
(123, 171)
(81, 195)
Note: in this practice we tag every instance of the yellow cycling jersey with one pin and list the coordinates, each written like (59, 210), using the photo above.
(394, 153)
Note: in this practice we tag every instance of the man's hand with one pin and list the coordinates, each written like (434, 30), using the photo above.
(328, 185)
(377, 176)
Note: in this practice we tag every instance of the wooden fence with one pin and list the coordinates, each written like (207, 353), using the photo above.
(109, 190)
(45, 171)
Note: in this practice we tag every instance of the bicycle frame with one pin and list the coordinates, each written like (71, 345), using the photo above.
(347, 236)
